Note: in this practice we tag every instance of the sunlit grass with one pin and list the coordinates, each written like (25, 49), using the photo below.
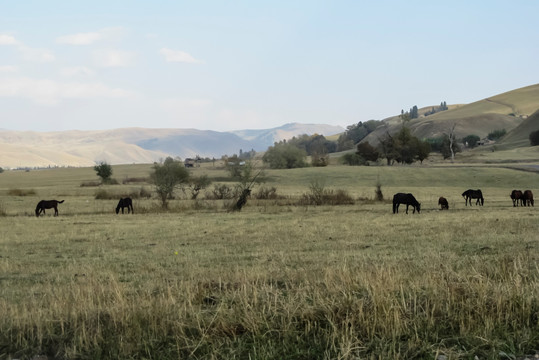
(276, 280)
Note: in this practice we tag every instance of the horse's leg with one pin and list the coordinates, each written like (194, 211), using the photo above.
(407, 208)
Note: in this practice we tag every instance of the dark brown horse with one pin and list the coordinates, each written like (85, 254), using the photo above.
(47, 204)
(527, 198)
(470, 194)
(408, 199)
(516, 196)
(443, 203)
(125, 203)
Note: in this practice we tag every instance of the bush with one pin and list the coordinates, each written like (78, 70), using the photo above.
(471, 140)
(103, 194)
(319, 195)
(90, 184)
(534, 138)
(265, 193)
(352, 159)
(496, 134)
(285, 156)
(221, 192)
(104, 171)
(129, 180)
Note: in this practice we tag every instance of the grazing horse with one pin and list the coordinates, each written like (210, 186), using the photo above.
(125, 203)
(408, 199)
(516, 196)
(527, 198)
(443, 203)
(47, 204)
(470, 194)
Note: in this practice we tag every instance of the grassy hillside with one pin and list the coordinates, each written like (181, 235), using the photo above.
(519, 136)
(504, 111)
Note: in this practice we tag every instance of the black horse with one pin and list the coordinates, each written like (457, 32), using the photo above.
(125, 203)
(527, 198)
(443, 203)
(517, 196)
(470, 194)
(408, 199)
(47, 204)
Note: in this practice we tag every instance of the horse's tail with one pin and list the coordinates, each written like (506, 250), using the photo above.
(59, 202)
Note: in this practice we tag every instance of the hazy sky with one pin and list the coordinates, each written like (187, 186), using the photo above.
(225, 65)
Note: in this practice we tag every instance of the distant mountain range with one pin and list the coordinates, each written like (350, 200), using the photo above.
(20, 149)
(514, 111)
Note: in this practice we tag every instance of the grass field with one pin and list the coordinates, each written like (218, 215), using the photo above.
(276, 281)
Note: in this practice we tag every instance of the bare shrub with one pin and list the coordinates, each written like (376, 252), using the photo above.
(103, 194)
(221, 192)
(266, 193)
(319, 195)
(21, 192)
(379, 196)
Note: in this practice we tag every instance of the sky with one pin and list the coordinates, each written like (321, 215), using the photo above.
(230, 65)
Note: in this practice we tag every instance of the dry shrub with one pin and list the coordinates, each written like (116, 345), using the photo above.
(265, 193)
(221, 192)
(21, 192)
(103, 194)
(90, 184)
(130, 180)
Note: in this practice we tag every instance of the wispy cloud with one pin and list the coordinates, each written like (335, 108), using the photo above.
(79, 39)
(28, 53)
(50, 92)
(113, 58)
(178, 56)
(7, 40)
(36, 55)
(88, 38)
(77, 71)
(8, 69)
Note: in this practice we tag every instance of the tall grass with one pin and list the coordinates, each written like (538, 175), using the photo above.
(276, 280)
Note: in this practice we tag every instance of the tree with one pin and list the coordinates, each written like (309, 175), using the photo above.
(496, 134)
(471, 140)
(387, 148)
(448, 148)
(247, 179)
(534, 138)
(104, 171)
(167, 176)
(285, 156)
(423, 150)
(367, 151)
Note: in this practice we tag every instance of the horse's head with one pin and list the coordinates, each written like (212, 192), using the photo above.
(418, 207)
(117, 209)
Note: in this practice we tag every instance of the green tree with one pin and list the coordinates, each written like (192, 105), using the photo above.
(496, 134)
(471, 140)
(423, 150)
(285, 156)
(104, 171)
(166, 177)
(367, 151)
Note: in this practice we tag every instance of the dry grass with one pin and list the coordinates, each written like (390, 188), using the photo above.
(276, 280)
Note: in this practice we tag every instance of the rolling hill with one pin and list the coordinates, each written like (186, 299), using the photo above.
(504, 111)
(21, 149)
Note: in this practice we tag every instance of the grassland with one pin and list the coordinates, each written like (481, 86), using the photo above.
(277, 280)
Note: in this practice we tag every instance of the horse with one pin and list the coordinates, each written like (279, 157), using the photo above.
(47, 204)
(443, 203)
(470, 194)
(125, 203)
(408, 199)
(516, 196)
(527, 198)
